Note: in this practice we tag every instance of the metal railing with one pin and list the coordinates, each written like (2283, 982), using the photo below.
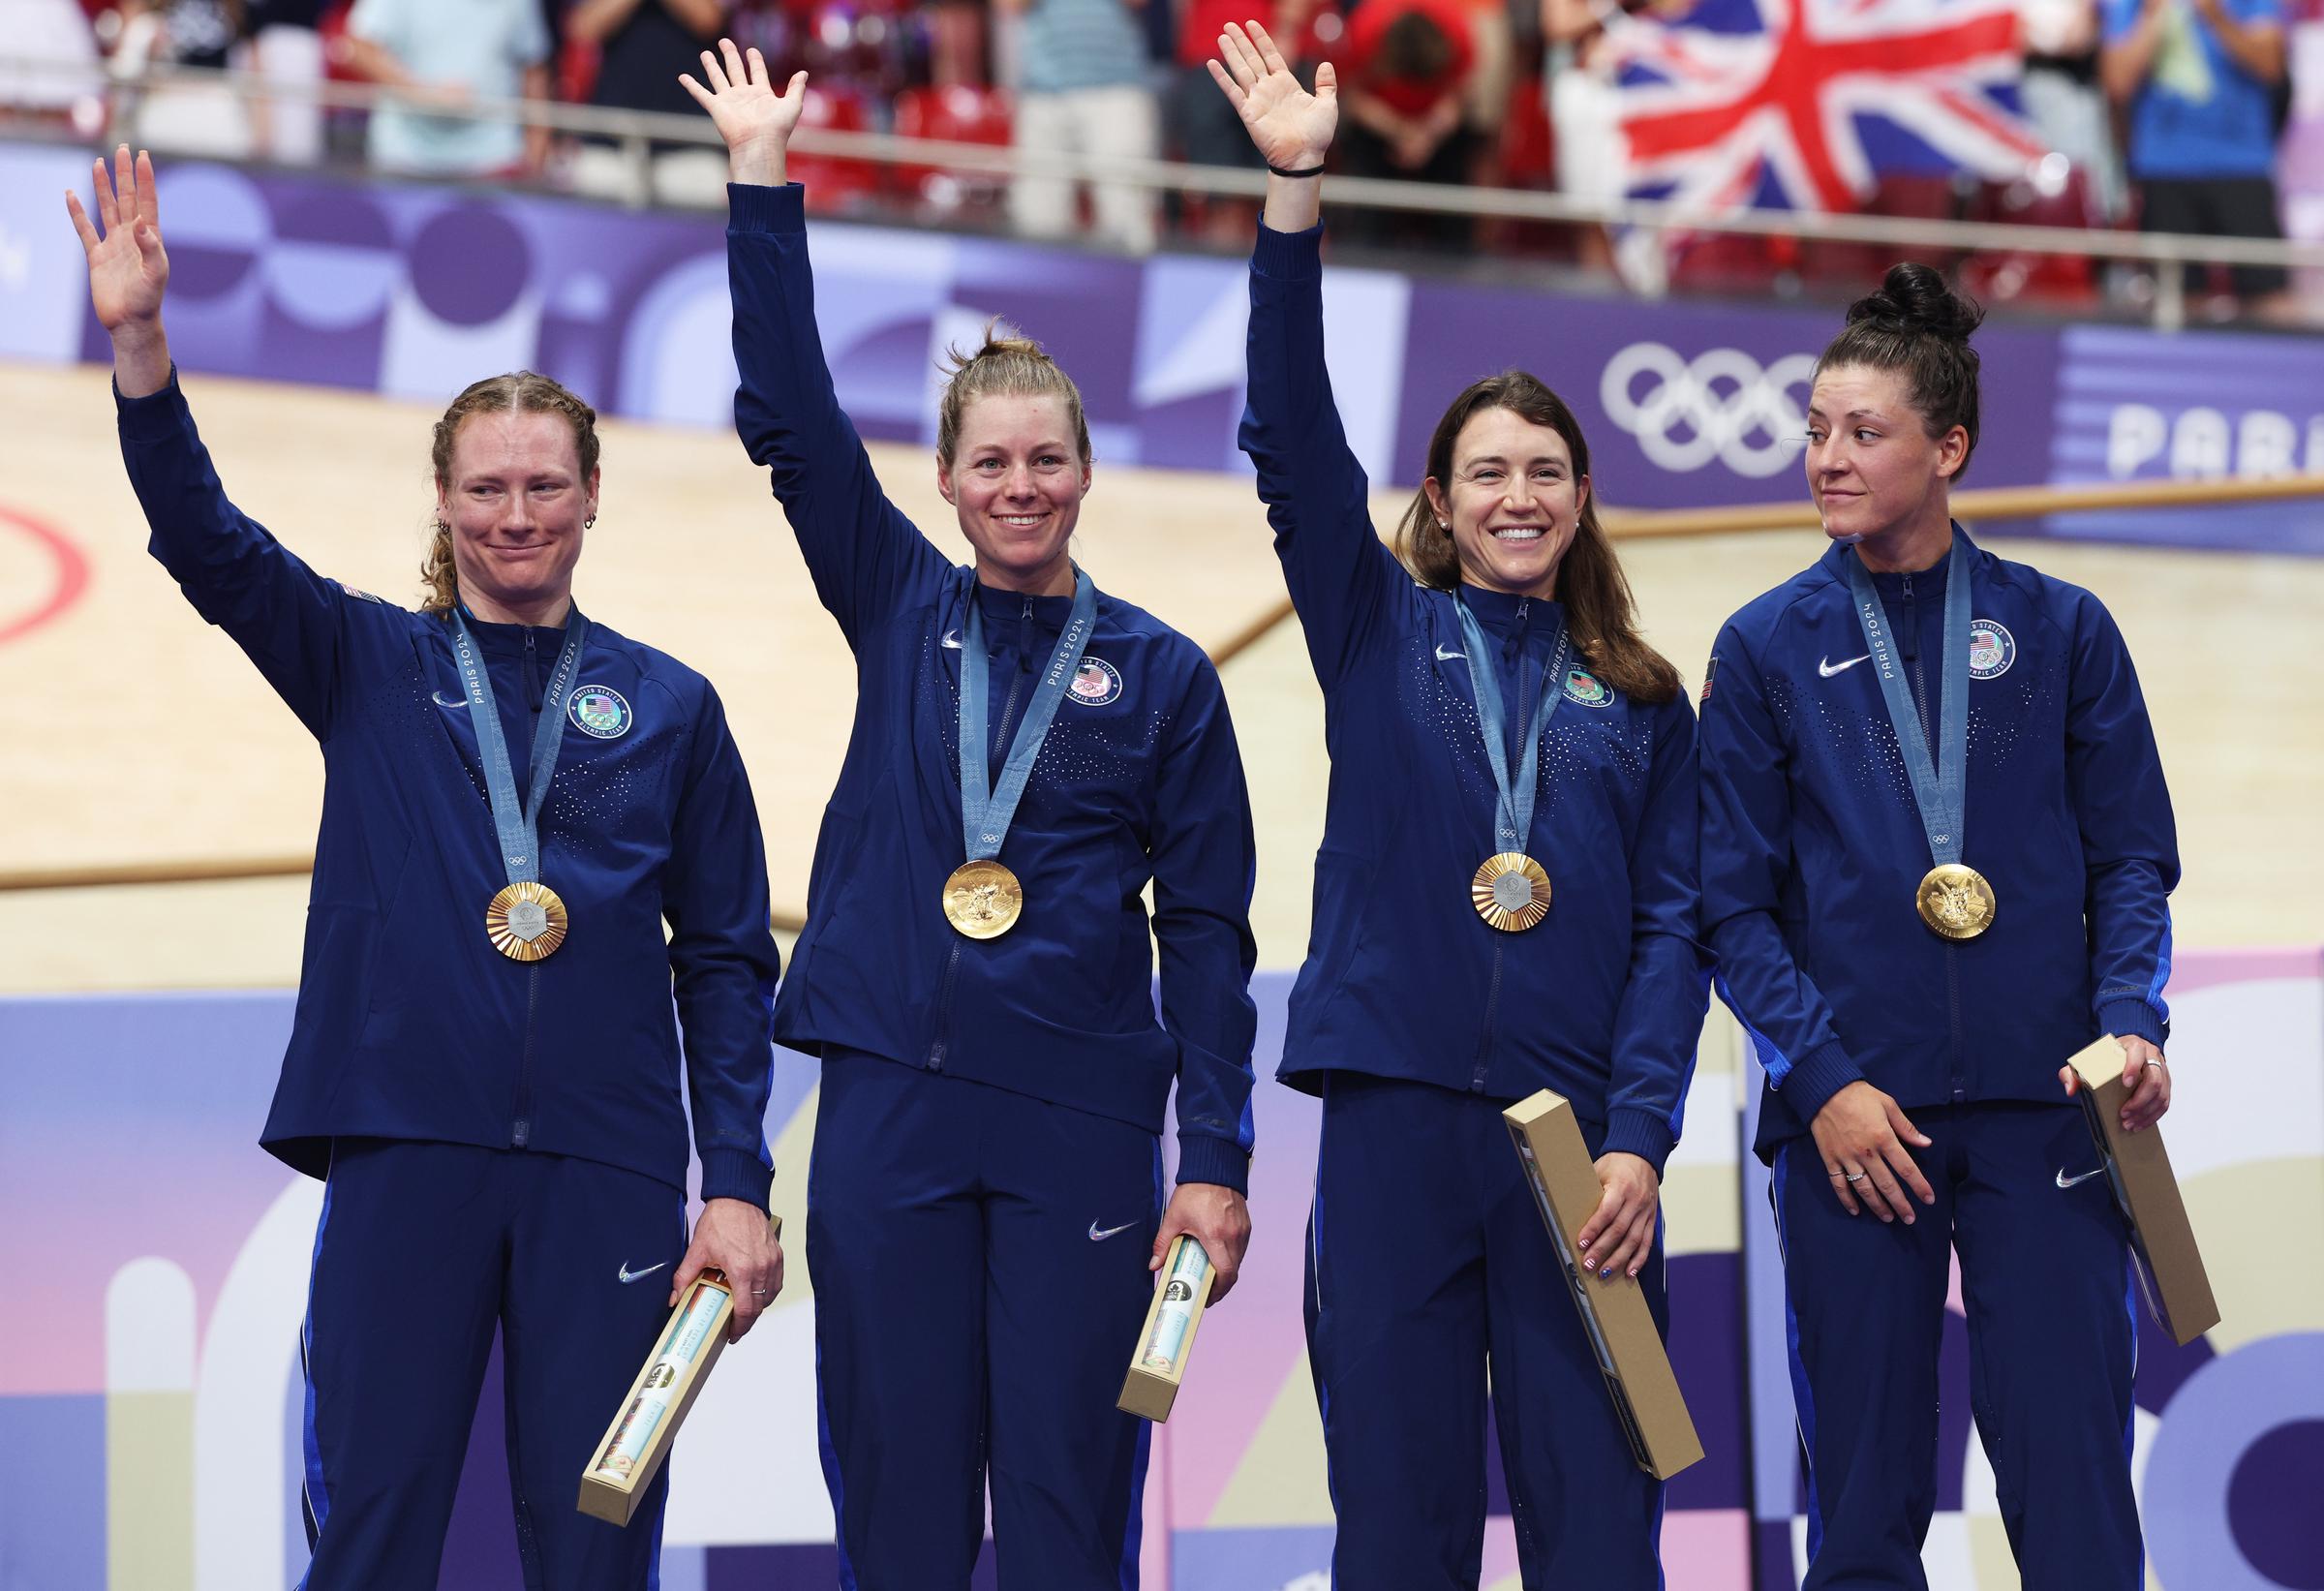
(637, 132)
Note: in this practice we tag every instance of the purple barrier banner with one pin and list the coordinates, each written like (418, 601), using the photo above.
(413, 291)
(150, 1417)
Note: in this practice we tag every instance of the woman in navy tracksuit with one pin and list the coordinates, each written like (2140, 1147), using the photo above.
(986, 1193)
(1937, 849)
(1416, 1016)
(495, 1104)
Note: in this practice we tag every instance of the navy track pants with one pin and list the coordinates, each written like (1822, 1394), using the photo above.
(979, 1260)
(1426, 1261)
(422, 1250)
(2046, 1282)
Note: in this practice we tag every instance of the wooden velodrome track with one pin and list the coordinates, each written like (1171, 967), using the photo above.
(141, 736)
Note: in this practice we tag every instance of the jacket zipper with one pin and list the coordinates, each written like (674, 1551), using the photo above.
(1024, 658)
(520, 1130)
(942, 1045)
(943, 1024)
(1492, 1011)
(1515, 645)
(1952, 953)
(520, 1126)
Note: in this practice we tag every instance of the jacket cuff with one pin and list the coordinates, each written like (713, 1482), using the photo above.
(1289, 257)
(754, 208)
(736, 1174)
(1202, 1158)
(158, 415)
(1815, 1077)
(1641, 1133)
(2131, 1019)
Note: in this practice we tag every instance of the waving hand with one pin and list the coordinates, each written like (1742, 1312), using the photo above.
(755, 120)
(1291, 127)
(129, 271)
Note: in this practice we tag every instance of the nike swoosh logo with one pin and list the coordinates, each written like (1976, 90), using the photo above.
(952, 639)
(1827, 668)
(1097, 1237)
(441, 702)
(1444, 657)
(628, 1275)
(2066, 1182)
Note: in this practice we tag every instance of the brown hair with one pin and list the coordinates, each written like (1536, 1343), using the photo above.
(519, 392)
(1013, 367)
(1917, 325)
(1414, 49)
(1600, 611)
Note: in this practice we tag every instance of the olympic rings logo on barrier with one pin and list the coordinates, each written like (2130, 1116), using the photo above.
(1721, 405)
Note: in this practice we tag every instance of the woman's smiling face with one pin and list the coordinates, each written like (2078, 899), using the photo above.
(1017, 479)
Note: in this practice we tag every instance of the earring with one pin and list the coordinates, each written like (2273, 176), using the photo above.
(591, 523)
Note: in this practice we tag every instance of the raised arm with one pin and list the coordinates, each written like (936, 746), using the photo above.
(283, 615)
(865, 558)
(1318, 500)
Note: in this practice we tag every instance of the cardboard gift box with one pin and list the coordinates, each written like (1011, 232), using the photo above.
(1167, 1339)
(630, 1454)
(2162, 1241)
(1631, 1356)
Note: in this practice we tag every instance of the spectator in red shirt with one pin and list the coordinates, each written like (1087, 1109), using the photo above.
(1404, 75)
(1203, 126)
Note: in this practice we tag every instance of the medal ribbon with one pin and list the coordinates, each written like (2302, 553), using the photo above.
(1939, 787)
(519, 826)
(1513, 812)
(985, 811)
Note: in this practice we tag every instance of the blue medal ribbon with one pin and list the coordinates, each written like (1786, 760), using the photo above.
(1513, 813)
(986, 811)
(518, 825)
(1940, 786)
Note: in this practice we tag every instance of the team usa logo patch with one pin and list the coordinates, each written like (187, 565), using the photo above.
(1095, 683)
(599, 710)
(1584, 688)
(1992, 649)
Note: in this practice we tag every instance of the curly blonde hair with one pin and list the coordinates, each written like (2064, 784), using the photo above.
(518, 392)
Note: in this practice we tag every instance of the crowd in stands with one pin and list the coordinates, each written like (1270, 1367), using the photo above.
(2168, 114)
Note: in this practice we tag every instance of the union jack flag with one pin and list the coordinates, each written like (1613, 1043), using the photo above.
(1804, 104)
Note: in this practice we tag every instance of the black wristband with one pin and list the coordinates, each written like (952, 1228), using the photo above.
(1304, 171)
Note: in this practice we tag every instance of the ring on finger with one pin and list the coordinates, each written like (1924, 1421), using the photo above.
(1858, 1176)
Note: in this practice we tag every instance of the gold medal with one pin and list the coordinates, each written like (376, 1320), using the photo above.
(1955, 900)
(525, 922)
(983, 900)
(1511, 892)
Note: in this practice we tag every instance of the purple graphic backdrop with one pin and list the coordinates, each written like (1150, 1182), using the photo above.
(415, 291)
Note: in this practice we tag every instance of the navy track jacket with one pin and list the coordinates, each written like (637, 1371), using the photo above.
(409, 1025)
(1140, 780)
(1812, 845)
(1603, 1000)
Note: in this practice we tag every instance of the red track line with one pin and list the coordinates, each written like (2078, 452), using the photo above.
(72, 577)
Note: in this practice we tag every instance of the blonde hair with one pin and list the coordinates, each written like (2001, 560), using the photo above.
(1004, 367)
(518, 392)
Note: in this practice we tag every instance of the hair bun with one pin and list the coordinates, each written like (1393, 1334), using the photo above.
(1914, 298)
